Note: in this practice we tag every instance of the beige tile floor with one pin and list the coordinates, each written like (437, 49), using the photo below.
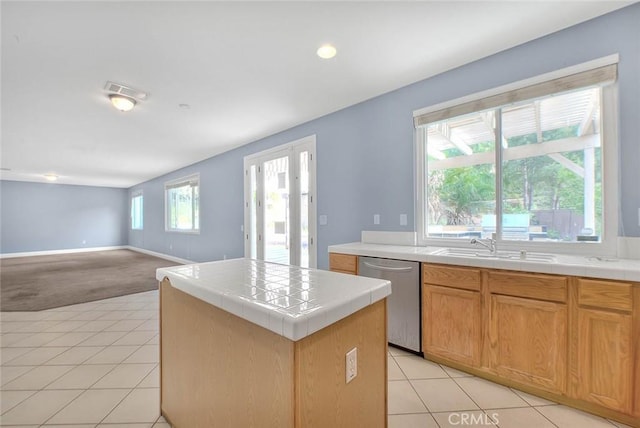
(96, 365)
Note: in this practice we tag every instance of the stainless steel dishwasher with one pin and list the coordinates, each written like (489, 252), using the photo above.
(404, 303)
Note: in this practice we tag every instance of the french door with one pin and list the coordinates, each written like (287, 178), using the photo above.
(280, 213)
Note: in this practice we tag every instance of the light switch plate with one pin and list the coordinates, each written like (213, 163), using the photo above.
(323, 219)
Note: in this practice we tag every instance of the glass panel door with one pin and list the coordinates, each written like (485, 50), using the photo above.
(253, 213)
(279, 221)
(276, 210)
(303, 178)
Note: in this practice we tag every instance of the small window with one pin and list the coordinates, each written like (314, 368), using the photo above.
(137, 211)
(182, 201)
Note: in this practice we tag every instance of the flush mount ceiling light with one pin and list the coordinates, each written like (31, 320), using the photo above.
(51, 177)
(326, 51)
(124, 98)
(121, 102)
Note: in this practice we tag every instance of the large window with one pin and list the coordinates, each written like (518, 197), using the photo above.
(137, 211)
(182, 202)
(522, 165)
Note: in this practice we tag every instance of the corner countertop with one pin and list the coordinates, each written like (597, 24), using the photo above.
(565, 264)
(291, 301)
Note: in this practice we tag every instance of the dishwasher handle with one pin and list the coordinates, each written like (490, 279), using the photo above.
(389, 268)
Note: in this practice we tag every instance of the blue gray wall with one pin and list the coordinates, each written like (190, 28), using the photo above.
(365, 152)
(40, 217)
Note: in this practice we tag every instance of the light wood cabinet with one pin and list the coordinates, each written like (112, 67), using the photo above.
(343, 263)
(528, 328)
(569, 339)
(528, 341)
(601, 344)
(452, 313)
(452, 324)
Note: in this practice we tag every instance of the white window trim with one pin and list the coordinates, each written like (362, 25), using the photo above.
(132, 195)
(173, 183)
(292, 150)
(611, 202)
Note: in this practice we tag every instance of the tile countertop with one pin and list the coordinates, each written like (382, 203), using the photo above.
(291, 301)
(585, 266)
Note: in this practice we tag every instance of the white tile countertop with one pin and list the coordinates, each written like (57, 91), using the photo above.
(289, 300)
(564, 264)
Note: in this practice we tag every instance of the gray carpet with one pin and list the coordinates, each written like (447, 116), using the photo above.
(45, 282)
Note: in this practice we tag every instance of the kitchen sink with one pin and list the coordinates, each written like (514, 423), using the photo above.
(507, 255)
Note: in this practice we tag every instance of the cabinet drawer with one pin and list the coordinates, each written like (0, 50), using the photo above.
(457, 277)
(542, 287)
(605, 294)
(345, 263)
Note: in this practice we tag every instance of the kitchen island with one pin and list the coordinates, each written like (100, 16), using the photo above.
(249, 343)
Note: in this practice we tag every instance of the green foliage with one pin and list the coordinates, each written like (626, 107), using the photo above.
(463, 193)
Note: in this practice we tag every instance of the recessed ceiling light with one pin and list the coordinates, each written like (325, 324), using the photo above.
(326, 51)
(51, 177)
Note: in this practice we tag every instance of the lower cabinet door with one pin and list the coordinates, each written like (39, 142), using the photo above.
(452, 324)
(604, 359)
(528, 341)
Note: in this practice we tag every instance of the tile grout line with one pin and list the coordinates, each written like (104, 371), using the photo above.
(81, 363)
(416, 392)
(468, 395)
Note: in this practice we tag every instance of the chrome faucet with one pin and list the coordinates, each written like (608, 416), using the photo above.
(490, 244)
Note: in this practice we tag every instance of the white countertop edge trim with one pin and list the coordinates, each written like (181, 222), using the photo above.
(291, 327)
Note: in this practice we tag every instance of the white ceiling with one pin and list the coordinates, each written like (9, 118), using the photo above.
(247, 70)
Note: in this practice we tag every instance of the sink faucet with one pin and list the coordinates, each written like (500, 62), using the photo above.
(490, 244)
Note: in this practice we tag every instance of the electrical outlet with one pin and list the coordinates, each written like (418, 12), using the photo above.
(351, 365)
(403, 219)
(376, 219)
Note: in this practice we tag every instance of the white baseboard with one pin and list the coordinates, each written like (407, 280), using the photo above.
(67, 251)
(160, 255)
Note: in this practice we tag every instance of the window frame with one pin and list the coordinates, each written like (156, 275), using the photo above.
(173, 184)
(136, 194)
(610, 175)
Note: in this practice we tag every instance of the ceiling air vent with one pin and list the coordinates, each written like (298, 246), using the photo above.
(117, 88)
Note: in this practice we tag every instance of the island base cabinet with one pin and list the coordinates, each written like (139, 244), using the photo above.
(452, 324)
(219, 370)
(528, 341)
